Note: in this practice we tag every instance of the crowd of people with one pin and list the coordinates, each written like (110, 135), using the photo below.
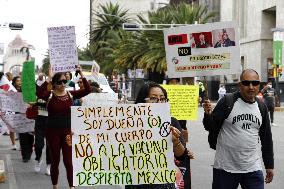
(235, 126)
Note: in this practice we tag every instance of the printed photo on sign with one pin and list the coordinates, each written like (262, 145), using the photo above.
(224, 37)
(202, 39)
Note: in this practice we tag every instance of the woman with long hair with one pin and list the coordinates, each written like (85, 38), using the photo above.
(27, 138)
(154, 93)
(58, 129)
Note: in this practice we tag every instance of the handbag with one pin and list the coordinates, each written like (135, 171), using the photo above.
(32, 112)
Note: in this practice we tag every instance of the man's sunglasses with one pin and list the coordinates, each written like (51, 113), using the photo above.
(247, 83)
(64, 81)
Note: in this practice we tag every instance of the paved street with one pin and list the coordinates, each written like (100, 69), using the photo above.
(22, 176)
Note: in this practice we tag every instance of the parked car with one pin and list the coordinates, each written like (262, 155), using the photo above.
(101, 80)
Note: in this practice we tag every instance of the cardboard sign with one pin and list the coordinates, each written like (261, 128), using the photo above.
(62, 48)
(93, 99)
(12, 102)
(19, 123)
(123, 144)
(202, 50)
(183, 100)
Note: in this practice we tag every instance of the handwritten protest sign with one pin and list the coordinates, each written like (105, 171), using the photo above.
(28, 82)
(202, 50)
(122, 144)
(93, 99)
(183, 100)
(12, 102)
(95, 69)
(62, 48)
(19, 123)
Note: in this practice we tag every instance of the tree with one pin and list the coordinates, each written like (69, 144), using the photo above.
(146, 48)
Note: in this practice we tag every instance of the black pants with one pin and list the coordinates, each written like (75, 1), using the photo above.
(40, 126)
(26, 143)
(271, 112)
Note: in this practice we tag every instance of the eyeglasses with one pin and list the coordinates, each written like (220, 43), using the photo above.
(60, 82)
(156, 100)
(247, 83)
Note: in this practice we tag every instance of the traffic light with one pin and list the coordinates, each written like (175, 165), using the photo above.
(130, 26)
(16, 26)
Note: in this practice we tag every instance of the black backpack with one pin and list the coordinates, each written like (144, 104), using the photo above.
(230, 99)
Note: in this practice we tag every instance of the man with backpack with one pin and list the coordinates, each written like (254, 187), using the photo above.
(235, 126)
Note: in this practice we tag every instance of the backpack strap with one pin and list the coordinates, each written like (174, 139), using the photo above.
(229, 101)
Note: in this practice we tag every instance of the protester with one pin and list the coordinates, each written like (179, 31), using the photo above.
(237, 160)
(95, 87)
(26, 138)
(40, 126)
(154, 93)
(58, 131)
(222, 91)
(268, 93)
(40, 80)
(9, 76)
(69, 83)
(201, 92)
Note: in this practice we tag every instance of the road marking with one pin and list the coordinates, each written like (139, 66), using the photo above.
(11, 174)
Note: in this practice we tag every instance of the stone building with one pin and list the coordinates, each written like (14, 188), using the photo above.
(14, 58)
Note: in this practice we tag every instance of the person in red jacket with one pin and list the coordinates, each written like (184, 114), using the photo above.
(58, 131)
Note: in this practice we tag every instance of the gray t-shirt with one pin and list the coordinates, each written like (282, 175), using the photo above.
(237, 145)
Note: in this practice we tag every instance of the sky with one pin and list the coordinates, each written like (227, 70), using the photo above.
(38, 15)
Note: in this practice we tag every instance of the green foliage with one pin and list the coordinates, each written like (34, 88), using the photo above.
(114, 48)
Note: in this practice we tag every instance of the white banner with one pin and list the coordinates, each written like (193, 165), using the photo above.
(94, 99)
(13, 102)
(62, 48)
(202, 50)
(19, 123)
(122, 144)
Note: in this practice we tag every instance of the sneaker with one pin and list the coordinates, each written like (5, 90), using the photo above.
(47, 171)
(14, 147)
(37, 166)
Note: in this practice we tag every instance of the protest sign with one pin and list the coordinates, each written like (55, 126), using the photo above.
(28, 82)
(19, 122)
(93, 99)
(202, 50)
(62, 48)
(183, 100)
(122, 144)
(3, 127)
(12, 102)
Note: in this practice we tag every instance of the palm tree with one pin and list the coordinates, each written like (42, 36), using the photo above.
(147, 47)
(109, 17)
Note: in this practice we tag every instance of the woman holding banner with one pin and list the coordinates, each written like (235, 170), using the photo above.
(154, 93)
(26, 138)
(58, 131)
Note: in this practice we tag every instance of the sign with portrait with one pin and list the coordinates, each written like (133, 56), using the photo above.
(202, 50)
(123, 144)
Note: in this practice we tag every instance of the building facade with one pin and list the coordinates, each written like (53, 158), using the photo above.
(14, 58)
(255, 18)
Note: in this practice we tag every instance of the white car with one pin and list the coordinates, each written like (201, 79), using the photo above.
(101, 80)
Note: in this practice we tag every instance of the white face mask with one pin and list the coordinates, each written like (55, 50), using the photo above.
(269, 86)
